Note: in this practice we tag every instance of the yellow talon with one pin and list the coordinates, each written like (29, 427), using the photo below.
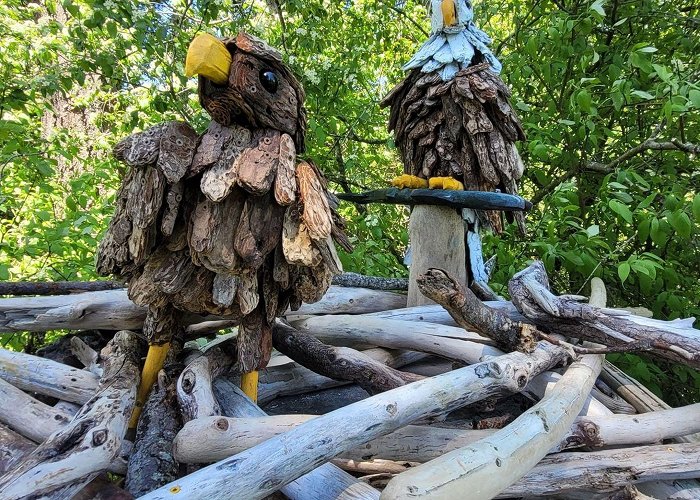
(249, 385)
(153, 364)
(409, 181)
(445, 183)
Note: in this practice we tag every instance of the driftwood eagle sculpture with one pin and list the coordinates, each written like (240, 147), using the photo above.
(229, 222)
(451, 116)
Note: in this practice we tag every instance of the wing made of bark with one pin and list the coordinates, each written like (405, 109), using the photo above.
(463, 128)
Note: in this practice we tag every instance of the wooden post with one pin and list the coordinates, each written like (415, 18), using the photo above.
(437, 240)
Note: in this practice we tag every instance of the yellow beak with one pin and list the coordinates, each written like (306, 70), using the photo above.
(209, 57)
(449, 13)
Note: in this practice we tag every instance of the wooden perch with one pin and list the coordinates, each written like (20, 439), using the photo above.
(675, 340)
(194, 386)
(326, 482)
(13, 448)
(43, 376)
(56, 287)
(72, 457)
(457, 199)
(341, 363)
(286, 457)
(112, 309)
(471, 314)
(151, 463)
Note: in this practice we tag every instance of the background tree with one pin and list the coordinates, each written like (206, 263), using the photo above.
(608, 92)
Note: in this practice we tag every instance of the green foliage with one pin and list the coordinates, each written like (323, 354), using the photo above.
(608, 92)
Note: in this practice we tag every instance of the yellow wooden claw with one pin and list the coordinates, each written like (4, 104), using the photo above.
(154, 362)
(409, 181)
(249, 385)
(449, 13)
(209, 57)
(445, 183)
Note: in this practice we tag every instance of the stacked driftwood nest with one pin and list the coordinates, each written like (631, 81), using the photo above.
(470, 400)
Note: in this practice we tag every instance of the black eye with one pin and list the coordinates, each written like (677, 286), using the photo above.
(269, 81)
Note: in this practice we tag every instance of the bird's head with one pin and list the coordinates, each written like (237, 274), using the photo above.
(243, 80)
(450, 14)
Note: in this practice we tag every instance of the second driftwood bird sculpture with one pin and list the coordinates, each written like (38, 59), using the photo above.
(225, 223)
(451, 116)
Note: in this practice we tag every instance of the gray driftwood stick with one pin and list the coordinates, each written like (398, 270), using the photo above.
(674, 340)
(28, 416)
(210, 439)
(291, 378)
(13, 448)
(112, 309)
(288, 456)
(340, 363)
(194, 386)
(44, 376)
(326, 482)
(566, 474)
(76, 454)
(151, 462)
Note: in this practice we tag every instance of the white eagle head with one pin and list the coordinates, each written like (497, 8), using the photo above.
(450, 14)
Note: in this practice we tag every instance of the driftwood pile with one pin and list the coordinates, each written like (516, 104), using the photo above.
(363, 398)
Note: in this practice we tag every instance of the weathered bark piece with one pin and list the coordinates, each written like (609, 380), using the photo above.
(101, 488)
(569, 474)
(112, 310)
(218, 181)
(291, 379)
(316, 213)
(471, 314)
(194, 386)
(13, 448)
(487, 467)
(27, 416)
(326, 482)
(338, 362)
(437, 234)
(675, 340)
(151, 463)
(286, 182)
(257, 165)
(286, 457)
(43, 376)
(72, 457)
(297, 244)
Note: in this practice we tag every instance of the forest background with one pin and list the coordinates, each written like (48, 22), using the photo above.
(608, 92)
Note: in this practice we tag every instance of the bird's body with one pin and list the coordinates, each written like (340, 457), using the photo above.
(229, 222)
(451, 115)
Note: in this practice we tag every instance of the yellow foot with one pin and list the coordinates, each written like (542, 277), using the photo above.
(154, 362)
(445, 183)
(249, 385)
(409, 181)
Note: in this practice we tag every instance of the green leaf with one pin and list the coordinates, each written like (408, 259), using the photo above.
(694, 96)
(696, 207)
(593, 230)
(597, 7)
(584, 100)
(680, 221)
(4, 272)
(642, 94)
(621, 209)
(623, 271)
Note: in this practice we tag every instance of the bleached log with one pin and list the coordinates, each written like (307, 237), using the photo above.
(13, 448)
(86, 355)
(151, 462)
(291, 379)
(570, 474)
(43, 376)
(378, 466)
(27, 416)
(73, 456)
(487, 467)
(211, 439)
(632, 390)
(326, 482)
(194, 386)
(340, 363)
(674, 340)
(68, 408)
(112, 309)
(286, 457)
